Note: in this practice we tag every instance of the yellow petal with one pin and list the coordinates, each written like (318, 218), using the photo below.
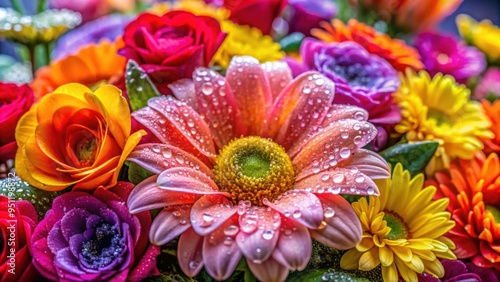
(132, 142)
(390, 273)
(369, 260)
(26, 127)
(350, 259)
(386, 256)
(74, 89)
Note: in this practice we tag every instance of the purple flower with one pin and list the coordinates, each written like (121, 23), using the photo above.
(360, 78)
(458, 271)
(489, 85)
(93, 237)
(109, 27)
(307, 14)
(446, 54)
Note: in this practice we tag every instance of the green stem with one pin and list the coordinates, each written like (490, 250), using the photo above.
(31, 51)
(41, 6)
(47, 53)
(16, 4)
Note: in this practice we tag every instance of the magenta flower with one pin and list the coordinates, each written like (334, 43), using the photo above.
(361, 79)
(251, 165)
(305, 15)
(458, 271)
(489, 85)
(448, 55)
(93, 237)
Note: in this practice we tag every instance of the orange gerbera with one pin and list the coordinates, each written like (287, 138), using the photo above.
(492, 111)
(394, 51)
(92, 65)
(473, 188)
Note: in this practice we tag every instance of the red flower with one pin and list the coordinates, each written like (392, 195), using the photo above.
(15, 100)
(171, 46)
(17, 221)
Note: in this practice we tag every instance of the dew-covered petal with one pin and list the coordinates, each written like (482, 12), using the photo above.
(294, 246)
(190, 252)
(369, 163)
(300, 206)
(187, 180)
(339, 181)
(259, 233)
(221, 254)
(252, 92)
(183, 90)
(342, 229)
(269, 270)
(337, 142)
(159, 157)
(169, 223)
(210, 212)
(147, 196)
(279, 76)
(300, 108)
(216, 104)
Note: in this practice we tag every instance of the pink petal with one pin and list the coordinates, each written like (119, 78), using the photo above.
(343, 229)
(300, 206)
(189, 252)
(169, 223)
(259, 233)
(269, 270)
(279, 76)
(335, 113)
(369, 163)
(159, 157)
(210, 212)
(185, 121)
(221, 254)
(217, 105)
(335, 143)
(188, 180)
(338, 181)
(183, 90)
(147, 196)
(252, 92)
(300, 108)
(294, 247)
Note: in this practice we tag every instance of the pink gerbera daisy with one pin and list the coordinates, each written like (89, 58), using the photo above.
(251, 165)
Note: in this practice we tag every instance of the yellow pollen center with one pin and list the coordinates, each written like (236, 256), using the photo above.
(253, 168)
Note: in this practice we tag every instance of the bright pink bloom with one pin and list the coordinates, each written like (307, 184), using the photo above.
(217, 226)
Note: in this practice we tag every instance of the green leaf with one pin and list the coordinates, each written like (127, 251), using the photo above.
(322, 275)
(140, 88)
(291, 43)
(413, 156)
(136, 174)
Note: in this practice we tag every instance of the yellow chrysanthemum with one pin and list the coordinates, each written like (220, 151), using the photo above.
(402, 229)
(197, 7)
(244, 40)
(439, 109)
(484, 35)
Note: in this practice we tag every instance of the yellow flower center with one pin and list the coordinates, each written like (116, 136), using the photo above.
(494, 211)
(399, 230)
(252, 169)
(439, 116)
(86, 150)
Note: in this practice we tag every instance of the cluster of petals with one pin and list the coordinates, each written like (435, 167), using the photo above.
(323, 141)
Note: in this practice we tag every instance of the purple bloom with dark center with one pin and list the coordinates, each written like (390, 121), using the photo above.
(107, 27)
(448, 55)
(360, 78)
(93, 237)
(305, 15)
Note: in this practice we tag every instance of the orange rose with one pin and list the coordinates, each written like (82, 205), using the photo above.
(75, 137)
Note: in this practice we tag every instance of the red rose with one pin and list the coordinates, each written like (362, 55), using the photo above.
(17, 221)
(15, 100)
(255, 13)
(171, 46)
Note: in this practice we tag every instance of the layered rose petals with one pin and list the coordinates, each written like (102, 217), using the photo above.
(75, 137)
(216, 230)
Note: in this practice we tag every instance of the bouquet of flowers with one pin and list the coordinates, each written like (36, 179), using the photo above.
(257, 140)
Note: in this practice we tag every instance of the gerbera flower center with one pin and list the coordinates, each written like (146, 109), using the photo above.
(356, 75)
(104, 247)
(399, 230)
(494, 211)
(252, 169)
(439, 116)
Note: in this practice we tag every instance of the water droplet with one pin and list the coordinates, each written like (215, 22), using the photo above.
(359, 116)
(268, 234)
(345, 152)
(344, 134)
(207, 88)
(167, 153)
(335, 190)
(179, 159)
(370, 191)
(208, 219)
(359, 178)
(193, 264)
(325, 177)
(329, 212)
(357, 140)
(306, 89)
(156, 148)
(338, 178)
(190, 123)
(297, 214)
(231, 230)
(139, 88)
(228, 241)
(320, 81)
(176, 213)
(332, 162)
(357, 126)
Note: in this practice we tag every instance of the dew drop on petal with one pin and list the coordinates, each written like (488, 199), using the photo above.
(338, 178)
(156, 148)
(329, 212)
(268, 234)
(320, 81)
(306, 89)
(231, 230)
(335, 190)
(359, 116)
(357, 140)
(344, 134)
(359, 178)
(345, 152)
(193, 264)
(167, 153)
(370, 191)
(297, 214)
(325, 177)
(207, 88)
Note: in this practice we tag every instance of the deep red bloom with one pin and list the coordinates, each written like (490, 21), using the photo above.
(171, 46)
(17, 221)
(15, 100)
